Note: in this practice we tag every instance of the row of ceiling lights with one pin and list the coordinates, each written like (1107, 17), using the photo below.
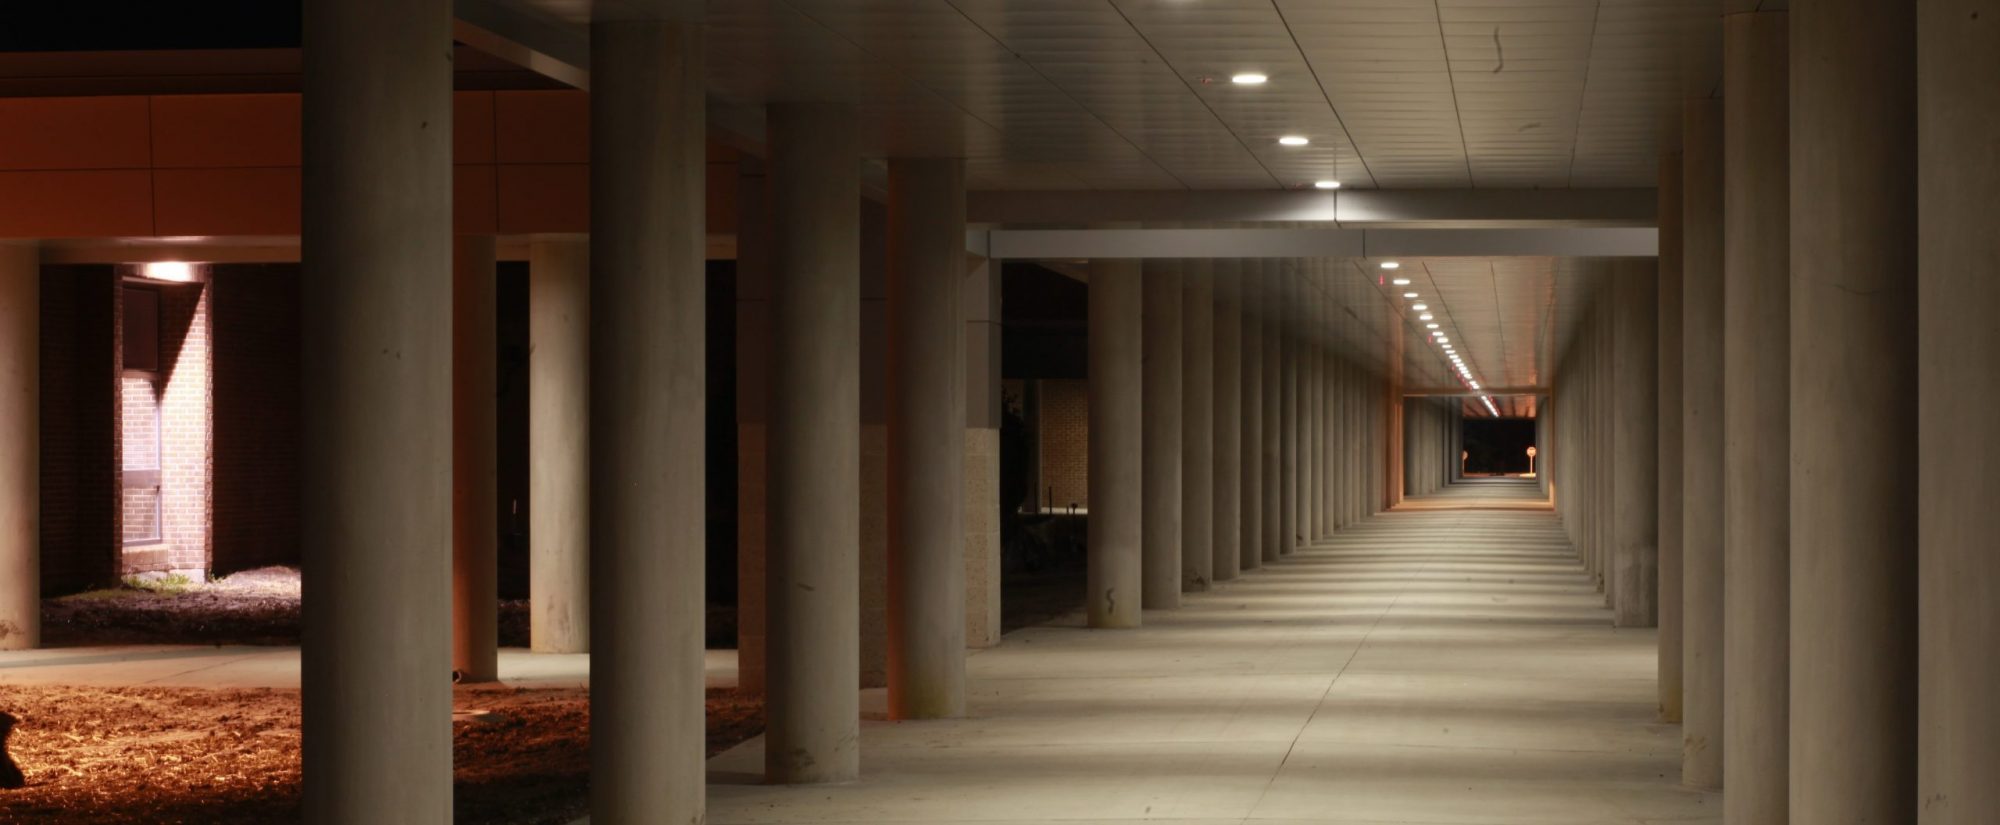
(1438, 337)
(1259, 79)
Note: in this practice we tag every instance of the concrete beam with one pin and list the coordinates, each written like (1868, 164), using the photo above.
(1318, 243)
(1360, 209)
(1432, 392)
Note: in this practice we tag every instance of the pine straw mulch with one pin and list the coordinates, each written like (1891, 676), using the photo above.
(231, 757)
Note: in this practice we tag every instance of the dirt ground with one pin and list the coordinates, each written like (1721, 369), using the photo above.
(152, 755)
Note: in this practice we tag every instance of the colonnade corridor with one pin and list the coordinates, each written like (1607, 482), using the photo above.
(1426, 665)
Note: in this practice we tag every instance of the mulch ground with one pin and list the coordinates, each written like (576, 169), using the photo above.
(175, 755)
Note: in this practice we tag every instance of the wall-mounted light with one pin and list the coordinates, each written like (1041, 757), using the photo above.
(176, 271)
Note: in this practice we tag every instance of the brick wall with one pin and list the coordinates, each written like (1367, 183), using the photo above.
(80, 501)
(255, 486)
(184, 427)
(1065, 444)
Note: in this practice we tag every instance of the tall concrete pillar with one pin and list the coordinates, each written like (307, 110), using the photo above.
(1701, 435)
(1958, 293)
(1252, 447)
(1854, 405)
(1228, 421)
(1163, 433)
(1270, 535)
(1306, 525)
(1756, 440)
(375, 477)
(926, 449)
(1671, 444)
(648, 288)
(982, 454)
(1635, 575)
(559, 445)
(475, 461)
(753, 416)
(1117, 404)
(1292, 349)
(813, 584)
(20, 426)
(1197, 425)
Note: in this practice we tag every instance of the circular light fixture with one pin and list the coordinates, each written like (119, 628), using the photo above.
(1326, 184)
(1248, 79)
(1293, 140)
(1391, 265)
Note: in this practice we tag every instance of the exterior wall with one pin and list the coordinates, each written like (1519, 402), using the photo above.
(79, 497)
(1065, 445)
(255, 484)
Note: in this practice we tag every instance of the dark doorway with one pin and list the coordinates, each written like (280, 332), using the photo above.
(1498, 446)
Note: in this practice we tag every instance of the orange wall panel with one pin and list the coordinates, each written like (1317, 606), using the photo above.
(472, 127)
(227, 201)
(552, 198)
(217, 131)
(76, 204)
(73, 133)
(472, 201)
(542, 126)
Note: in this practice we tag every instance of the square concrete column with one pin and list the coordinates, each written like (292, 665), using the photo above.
(1270, 534)
(475, 461)
(1671, 444)
(375, 462)
(1291, 349)
(1228, 400)
(559, 445)
(1756, 418)
(1197, 425)
(1635, 576)
(813, 584)
(1702, 455)
(982, 453)
(1251, 523)
(1853, 406)
(1958, 294)
(648, 439)
(1164, 434)
(20, 426)
(1117, 401)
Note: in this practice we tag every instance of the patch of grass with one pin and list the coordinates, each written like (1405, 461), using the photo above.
(165, 584)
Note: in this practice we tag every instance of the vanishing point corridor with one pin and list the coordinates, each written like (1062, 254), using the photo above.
(1427, 665)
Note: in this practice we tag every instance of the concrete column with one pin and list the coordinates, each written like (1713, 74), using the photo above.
(753, 416)
(20, 426)
(982, 454)
(1958, 293)
(1701, 434)
(1854, 406)
(1117, 404)
(475, 461)
(559, 445)
(1291, 348)
(375, 519)
(1306, 526)
(1671, 445)
(1228, 421)
(1198, 425)
(926, 450)
(648, 445)
(1163, 434)
(813, 584)
(1271, 534)
(1635, 574)
(1757, 455)
(1252, 448)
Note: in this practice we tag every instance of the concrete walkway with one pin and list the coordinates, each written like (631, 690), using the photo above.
(1429, 666)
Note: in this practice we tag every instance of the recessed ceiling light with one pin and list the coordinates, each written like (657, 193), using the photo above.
(1420, 307)
(168, 271)
(1293, 140)
(1430, 326)
(1425, 317)
(1248, 79)
(1401, 282)
(1442, 339)
(1326, 184)
(1391, 265)
(1409, 295)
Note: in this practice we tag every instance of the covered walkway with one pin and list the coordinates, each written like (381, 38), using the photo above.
(1432, 665)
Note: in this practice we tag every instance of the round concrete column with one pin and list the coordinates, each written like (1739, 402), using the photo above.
(648, 444)
(1228, 420)
(1117, 403)
(559, 445)
(1163, 433)
(814, 564)
(1292, 349)
(926, 439)
(1757, 456)
(1702, 455)
(1671, 443)
(20, 468)
(1197, 425)
(1270, 535)
(1958, 296)
(375, 434)
(1251, 524)
(1854, 411)
(1635, 573)
(475, 461)
(1306, 524)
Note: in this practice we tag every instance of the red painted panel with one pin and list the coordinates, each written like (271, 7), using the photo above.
(83, 204)
(550, 198)
(73, 133)
(217, 131)
(472, 127)
(227, 201)
(472, 210)
(543, 126)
